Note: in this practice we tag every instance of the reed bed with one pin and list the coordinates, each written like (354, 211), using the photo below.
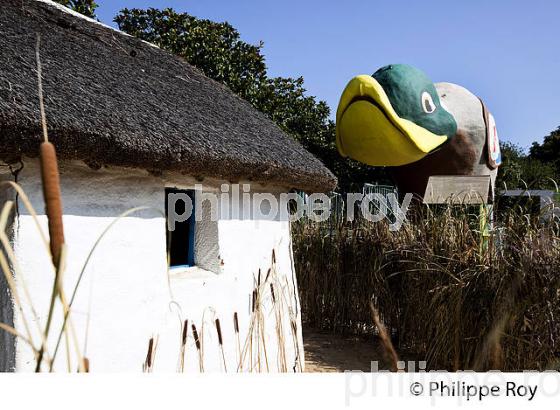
(446, 293)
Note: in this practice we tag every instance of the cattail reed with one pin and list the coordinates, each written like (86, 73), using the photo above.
(282, 364)
(49, 176)
(185, 332)
(196, 339)
(385, 339)
(256, 329)
(221, 342)
(183, 349)
(150, 352)
(260, 330)
(238, 339)
(263, 341)
(149, 356)
(53, 203)
(198, 348)
(219, 331)
(254, 355)
(86, 364)
(298, 366)
(236, 323)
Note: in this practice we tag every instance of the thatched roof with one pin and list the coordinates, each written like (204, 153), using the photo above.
(112, 99)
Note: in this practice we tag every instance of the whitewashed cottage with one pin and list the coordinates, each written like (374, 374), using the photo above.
(132, 123)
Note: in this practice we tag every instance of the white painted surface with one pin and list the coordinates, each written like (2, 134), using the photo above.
(7, 341)
(126, 294)
(466, 108)
(206, 247)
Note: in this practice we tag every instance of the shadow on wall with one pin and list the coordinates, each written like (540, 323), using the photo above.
(7, 340)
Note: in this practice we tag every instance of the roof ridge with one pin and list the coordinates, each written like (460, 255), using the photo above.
(67, 10)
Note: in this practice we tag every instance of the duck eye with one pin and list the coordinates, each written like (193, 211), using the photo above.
(427, 103)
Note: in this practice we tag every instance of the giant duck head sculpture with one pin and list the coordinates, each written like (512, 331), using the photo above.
(397, 117)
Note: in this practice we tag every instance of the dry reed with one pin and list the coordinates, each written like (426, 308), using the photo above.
(388, 348)
(443, 297)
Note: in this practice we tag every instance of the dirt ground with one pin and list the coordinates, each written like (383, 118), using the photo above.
(325, 352)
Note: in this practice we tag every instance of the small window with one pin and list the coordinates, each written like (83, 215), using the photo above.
(180, 226)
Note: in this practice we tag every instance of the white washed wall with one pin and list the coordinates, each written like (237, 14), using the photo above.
(125, 293)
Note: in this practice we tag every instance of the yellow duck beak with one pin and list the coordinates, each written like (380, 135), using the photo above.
(370, 131)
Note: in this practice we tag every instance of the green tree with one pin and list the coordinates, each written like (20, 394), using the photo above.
(218, 51)
(549, 151)
(519, 170)
(215, 48)
(85, 7)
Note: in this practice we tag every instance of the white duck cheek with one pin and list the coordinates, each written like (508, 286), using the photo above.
(443, 105)
(427, 103)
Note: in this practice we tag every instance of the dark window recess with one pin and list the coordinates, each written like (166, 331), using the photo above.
(180, 242)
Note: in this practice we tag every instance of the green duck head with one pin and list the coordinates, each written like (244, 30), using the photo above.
(393, 117)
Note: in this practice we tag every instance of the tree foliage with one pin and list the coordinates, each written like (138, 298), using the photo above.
(519, 170)
(215, 48)
(85, 7)
(218, 51)
(549, 151)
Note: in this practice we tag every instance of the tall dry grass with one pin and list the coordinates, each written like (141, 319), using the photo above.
(447, 295)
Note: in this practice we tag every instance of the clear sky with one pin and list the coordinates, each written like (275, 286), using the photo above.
(506, 52)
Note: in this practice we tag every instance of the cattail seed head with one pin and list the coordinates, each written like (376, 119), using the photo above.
(185, 332)
(195, 335)
(150, 351)
(86, 364)
(53, 202)
(219, 330)
(268, 274)
(235, 322)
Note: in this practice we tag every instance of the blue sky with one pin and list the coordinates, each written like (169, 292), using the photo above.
(506, 52)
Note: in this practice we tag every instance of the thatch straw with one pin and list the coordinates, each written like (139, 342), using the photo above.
(256, 149)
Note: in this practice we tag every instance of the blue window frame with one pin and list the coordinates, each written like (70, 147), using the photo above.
(180, 241)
